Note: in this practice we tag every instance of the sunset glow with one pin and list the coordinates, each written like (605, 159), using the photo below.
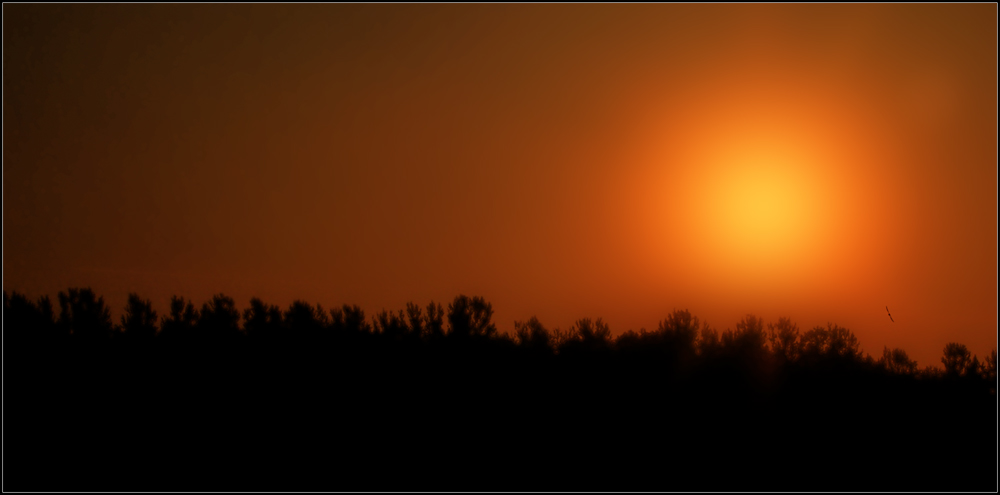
(811, 161)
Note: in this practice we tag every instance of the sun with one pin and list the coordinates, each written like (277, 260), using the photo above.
(761, 203)
(765, 188)
(755, 202)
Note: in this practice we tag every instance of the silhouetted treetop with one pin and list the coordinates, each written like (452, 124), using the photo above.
(470, 317)
(84, 315)
(749, 341)
(180, 324)
(262, 321)
(783, 337)
(139, 320)
(586, 336)
(219, 319)
(532, 335)
(25, 321)
(303, 321)
(679, 333)
(393, 326)
(434, 321)
(958, 361)
(832, 341)
(896, 361)
(350, 319)
(679, 342)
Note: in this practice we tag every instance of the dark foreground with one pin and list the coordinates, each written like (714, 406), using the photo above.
(240, 419)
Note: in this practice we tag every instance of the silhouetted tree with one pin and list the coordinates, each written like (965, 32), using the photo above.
(219, 319)
(416, 320)
(708, 342)
(262, 321)
(630, 340)
(18, 316)
(931, 373)
(470, 317)
(85, 315)
(434, 321)
(989, 371)
(26, 322)
(783, 337)
(350, 319)
(304, 322)
(391, 326)
(958, 360)
(139, 320)
(180, 324)
(596, 331)
(896, 361)
(587, 336)
(830, 342)
(532, 335)
(45, 319)
(559, 338)
(749, 339)
(678, 334)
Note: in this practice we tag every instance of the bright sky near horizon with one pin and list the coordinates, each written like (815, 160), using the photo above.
(816, 161)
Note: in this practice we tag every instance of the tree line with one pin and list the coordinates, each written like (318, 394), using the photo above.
(84, 317)
(435, 398)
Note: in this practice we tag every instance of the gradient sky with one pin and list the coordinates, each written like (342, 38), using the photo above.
(565, 161)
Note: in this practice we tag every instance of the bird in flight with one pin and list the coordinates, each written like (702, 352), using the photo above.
(890, 314)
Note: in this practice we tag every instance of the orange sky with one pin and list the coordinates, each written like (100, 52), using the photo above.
(812, 161)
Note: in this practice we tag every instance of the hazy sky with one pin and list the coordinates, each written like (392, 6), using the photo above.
(618, 161)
